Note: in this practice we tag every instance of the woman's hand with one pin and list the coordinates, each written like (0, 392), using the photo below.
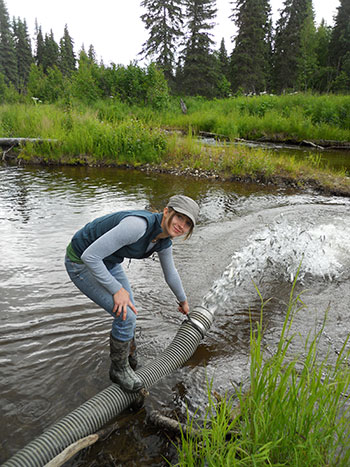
(121, 302)
(183, 307)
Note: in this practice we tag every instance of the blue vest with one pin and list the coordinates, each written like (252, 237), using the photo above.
(95, 229)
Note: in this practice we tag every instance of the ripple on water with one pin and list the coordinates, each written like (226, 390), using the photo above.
(312, 246)
(54, 342)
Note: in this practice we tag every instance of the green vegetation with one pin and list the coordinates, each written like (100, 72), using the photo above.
(115, 114)
(164, 23)
(294, 54)
(298, 117)
(79, 136)
(296, 412)
(111, 132)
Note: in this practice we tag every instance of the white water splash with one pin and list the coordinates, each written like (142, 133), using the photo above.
(275, 253)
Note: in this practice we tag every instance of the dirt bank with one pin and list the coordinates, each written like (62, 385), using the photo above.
(327, 185)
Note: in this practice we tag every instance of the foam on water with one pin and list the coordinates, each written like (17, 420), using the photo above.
(322, 252)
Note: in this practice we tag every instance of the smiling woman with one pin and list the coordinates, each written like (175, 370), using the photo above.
(179, 217)
(93, 262)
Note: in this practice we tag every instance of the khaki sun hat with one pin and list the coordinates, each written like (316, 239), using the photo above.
(185, 205)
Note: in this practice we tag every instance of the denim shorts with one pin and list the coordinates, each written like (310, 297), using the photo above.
(122, 330)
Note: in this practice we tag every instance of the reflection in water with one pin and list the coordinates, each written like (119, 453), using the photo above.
(319, 156)
(54, 342)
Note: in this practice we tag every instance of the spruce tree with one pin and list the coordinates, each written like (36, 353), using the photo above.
(223, 59)
(307, 62)
(50, 52)
(67, 60)
(200, 71)
(24, 56)
(325, 73)
(39, 46)
(8, 62)
(92, 54)
(163, 21)
(340, 40)
(251, 56)
(322, 48)
(294, 51)
(47, 53)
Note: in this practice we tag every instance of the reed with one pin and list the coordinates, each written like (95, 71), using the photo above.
(295, 413)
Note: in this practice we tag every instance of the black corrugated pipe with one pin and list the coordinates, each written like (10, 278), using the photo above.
(100, 409)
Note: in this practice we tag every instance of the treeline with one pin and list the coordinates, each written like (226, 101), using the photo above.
(295, 55)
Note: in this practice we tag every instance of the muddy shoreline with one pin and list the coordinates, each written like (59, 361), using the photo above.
(329, 185)
(283, 181)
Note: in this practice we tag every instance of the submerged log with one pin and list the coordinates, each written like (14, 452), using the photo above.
(174, 426)
(89, 440)
(178, 428)
(208, 134)
(319, 144)
(310, 143)
(82, 443)
(5, 153)
(71, 450)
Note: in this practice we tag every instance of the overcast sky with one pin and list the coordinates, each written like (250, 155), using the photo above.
(114, 27)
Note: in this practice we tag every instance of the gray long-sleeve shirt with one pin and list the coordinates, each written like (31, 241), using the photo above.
(128, 231)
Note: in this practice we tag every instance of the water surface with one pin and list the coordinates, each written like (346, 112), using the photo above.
(54, 343)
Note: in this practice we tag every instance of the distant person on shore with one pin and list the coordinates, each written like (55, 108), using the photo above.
(93, 262)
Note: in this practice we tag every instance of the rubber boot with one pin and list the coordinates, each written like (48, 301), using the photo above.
(120, 371)
(133, 357)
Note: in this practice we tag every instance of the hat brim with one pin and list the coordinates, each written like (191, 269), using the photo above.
(186, 213)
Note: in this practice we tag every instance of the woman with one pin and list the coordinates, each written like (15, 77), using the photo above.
(93, 262)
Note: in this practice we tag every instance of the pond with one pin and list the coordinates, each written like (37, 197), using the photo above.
(54, 343)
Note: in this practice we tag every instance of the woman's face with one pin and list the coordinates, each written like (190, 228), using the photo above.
(175, 224)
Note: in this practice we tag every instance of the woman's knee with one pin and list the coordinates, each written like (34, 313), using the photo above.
(124, 329)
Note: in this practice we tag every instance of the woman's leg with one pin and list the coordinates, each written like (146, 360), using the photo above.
(88, 285)
(122, 330)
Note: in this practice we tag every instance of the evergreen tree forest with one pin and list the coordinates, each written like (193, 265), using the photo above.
(291, 56)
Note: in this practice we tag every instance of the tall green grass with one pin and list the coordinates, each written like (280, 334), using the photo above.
(111, 132)
(82, 135)
(239, 161)
(299, 117)
(296, 412)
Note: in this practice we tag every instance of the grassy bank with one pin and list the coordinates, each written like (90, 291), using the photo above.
(297, 117)
(112, 133)
(243, 163)
(296, 412)
(81, 136)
